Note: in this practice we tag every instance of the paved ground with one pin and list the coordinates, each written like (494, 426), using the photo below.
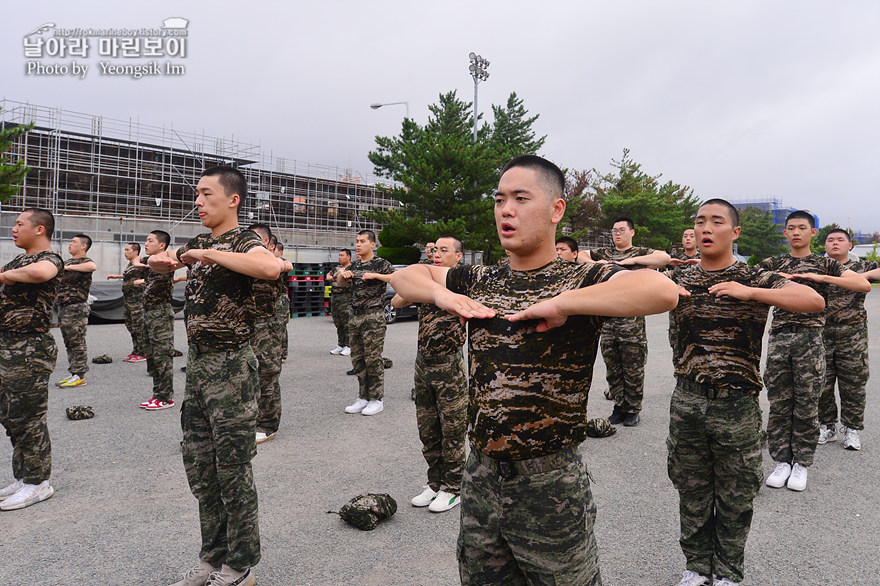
(123, 513)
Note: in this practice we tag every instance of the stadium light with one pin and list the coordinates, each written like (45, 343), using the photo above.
(479, 70)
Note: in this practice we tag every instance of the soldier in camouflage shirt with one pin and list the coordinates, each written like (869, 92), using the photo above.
(714, 438)
(282, 307)
(133, 282)
(267, 344)
(441, 392)
(28, 285)
(688, 255)
(73, 308)
(219, 411)
(624, 343)
(845, 338)
(158, 337)
(340, 302)
(366, 333)
(527, 511)
(795, 370)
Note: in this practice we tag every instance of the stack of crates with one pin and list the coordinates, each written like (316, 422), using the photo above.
(328, 266)
(306, 288)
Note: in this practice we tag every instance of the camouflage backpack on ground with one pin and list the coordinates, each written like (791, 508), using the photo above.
(600, 428)
(102, 359)
(365, 511)
(80, 412)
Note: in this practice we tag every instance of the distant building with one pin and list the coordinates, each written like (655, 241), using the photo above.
(772, 205)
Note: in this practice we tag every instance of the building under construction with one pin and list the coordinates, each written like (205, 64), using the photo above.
(116, 180)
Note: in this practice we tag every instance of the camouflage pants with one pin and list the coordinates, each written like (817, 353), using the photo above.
(219, 422)
(266, 343)
(534, 528)
(73, 319)
(340, 305)
(134, 322)
(282, 312)
(625, 360)
(26, 361)
(367, 340)
(673, 340)
(441, 414)
(158, 343)
(846, 361)
(714, 462)
(794, 376)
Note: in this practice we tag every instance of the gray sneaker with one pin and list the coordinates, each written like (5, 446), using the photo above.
(197, 576)
(827, 433)
(851, 439)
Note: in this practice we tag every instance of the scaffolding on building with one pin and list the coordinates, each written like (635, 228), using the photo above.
(97, 167)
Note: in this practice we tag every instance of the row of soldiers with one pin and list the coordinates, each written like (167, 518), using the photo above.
(230, 395)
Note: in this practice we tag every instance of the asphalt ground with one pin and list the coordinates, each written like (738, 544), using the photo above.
(123, 513)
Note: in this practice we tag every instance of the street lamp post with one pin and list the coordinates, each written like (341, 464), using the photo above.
(377, 105)
(479, 71)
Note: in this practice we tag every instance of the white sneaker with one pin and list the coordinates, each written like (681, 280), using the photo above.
(264, 437)
(357, 406)
(27, 495)
(724, 582)
(798, 479)
(337, 350)
(346, 351)
(851, 439)
(827, 434)
(424, 499)
(780, 475)
(693, 579)
(444, 501)
(197, 576)
(10, 490)
(373, 407)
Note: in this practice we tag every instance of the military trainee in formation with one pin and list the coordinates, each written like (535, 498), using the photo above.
(28, 285)
(714, 441)
(267, 344)
(567, 248)
(366, 334)
(624, 342)
(340, 303)
(158, 338)
(688, 255)
(73, 309)
(282, 307)
(795, 369)
(441, 392)
(219, 411)
(133, 282)
(527, 511)
(845, 338)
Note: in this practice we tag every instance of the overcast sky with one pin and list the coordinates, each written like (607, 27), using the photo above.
(737, 99)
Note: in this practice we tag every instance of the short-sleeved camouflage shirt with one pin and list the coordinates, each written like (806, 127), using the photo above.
(265, 295)
(440, 332)
(158, 287)
(74, 287)
(220, 302)
(345, 287)
(680, 255)
(624, 328)
(719, 338)
(844, 307)
(368, 294)
(129, 276)
(529, 388)
(822, 265)
(281, 284)
(27, 307)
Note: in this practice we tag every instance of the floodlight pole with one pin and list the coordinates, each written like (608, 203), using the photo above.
(479, 71)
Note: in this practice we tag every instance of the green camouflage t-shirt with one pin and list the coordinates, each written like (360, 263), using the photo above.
(220, 302)
(74, 287)
(529, 389)
(631, 329)
(844, 307)
(719, 338)
(27, 307)
(129, 276)
(368, 294)
(440, 332)
(158, 287)
(822, 265)
(265, 295)
(345, 287)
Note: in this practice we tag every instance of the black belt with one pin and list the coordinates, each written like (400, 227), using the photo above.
(793, 328)
(366, 310)
(715, 392)
(439, 359)
(507, 469)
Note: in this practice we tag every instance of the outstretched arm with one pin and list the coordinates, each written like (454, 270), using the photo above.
(257, 262)
(164, 262)
(86, 267)
(655, 260)
(37, 272)
(791, 297)
(427, 284)
(848, 280)
(625, 294)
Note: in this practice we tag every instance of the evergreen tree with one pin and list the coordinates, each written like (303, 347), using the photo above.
(11, 174)
(760, 237)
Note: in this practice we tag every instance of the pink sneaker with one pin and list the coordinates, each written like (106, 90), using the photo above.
(138, 358)
(128, 358)
(157, 405)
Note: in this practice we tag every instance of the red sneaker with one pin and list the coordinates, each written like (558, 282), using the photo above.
(146, 404)
(157, 405)
(138, 358)
(128, 358)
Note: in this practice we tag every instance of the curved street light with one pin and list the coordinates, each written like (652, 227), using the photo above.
(376, 106)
